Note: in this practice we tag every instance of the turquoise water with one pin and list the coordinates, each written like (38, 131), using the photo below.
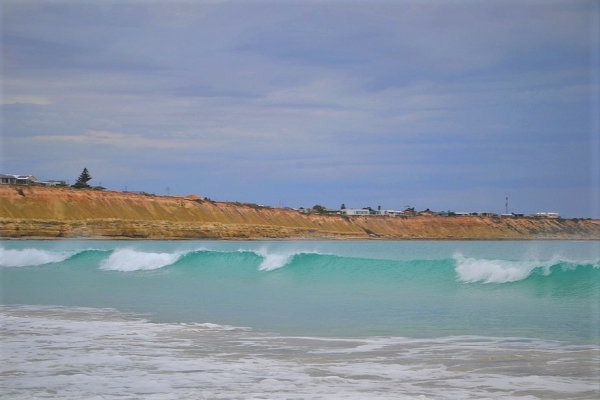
(415, 289)
(457, 300)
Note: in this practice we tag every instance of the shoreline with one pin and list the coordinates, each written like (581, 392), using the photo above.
(305, 239)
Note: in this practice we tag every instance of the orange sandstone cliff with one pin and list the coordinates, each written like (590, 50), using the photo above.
(40, 212)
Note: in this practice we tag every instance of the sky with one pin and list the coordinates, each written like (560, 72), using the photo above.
(446, 105)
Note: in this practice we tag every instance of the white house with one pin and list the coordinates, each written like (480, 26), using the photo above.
(355, 211)
(388, 212)
(10, 179)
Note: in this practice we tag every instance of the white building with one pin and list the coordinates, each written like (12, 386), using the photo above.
(355, 211)
(391, 213)
(486, 214)
(546, 215)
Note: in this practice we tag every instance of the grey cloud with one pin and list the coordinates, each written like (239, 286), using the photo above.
(383, 99)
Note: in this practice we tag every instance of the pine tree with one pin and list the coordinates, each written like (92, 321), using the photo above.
(83, 180)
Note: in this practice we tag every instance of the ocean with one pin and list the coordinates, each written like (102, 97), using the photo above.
(300, 319)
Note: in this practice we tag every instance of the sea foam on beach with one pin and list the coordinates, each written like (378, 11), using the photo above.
(83, 353)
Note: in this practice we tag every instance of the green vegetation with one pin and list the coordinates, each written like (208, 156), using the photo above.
(252, 205)
(319, 209)
(82, 181)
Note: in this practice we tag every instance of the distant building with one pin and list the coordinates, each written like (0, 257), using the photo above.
(409, 212)
(546, 215)
(368, 211)
(355, 211)
(390, 213)
(485, 214)
(9, 179)
(52, 183)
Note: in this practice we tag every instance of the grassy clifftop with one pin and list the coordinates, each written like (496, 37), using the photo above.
(39, 212)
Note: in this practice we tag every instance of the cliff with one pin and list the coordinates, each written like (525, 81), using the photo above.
(40, 212)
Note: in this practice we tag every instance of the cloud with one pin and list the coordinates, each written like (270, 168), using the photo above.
(387, 100)
(25, 99)
(127, 141)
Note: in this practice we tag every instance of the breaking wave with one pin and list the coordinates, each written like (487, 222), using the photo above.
(272, 261)
(127, 260)
(472, 270)
(31, 257)
(458, 268)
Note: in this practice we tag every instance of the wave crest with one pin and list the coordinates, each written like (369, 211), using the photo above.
(272, 261)
(127, 260)
(31, 257)
(471, 270)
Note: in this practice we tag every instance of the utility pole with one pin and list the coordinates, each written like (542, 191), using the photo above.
(506, 205)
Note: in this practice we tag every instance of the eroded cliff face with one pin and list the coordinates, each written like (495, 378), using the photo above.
(39, 212)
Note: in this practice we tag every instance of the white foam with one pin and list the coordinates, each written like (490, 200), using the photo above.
(31, 257)
(273, 261)
(218, 327)
(128, 260)
(472, 270)
(86, 353)
(279, 259)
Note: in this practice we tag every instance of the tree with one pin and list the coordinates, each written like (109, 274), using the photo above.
(319, 209)
(83, 180)
(343, 207)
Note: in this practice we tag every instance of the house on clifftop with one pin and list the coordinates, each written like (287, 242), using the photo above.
(9, 179)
